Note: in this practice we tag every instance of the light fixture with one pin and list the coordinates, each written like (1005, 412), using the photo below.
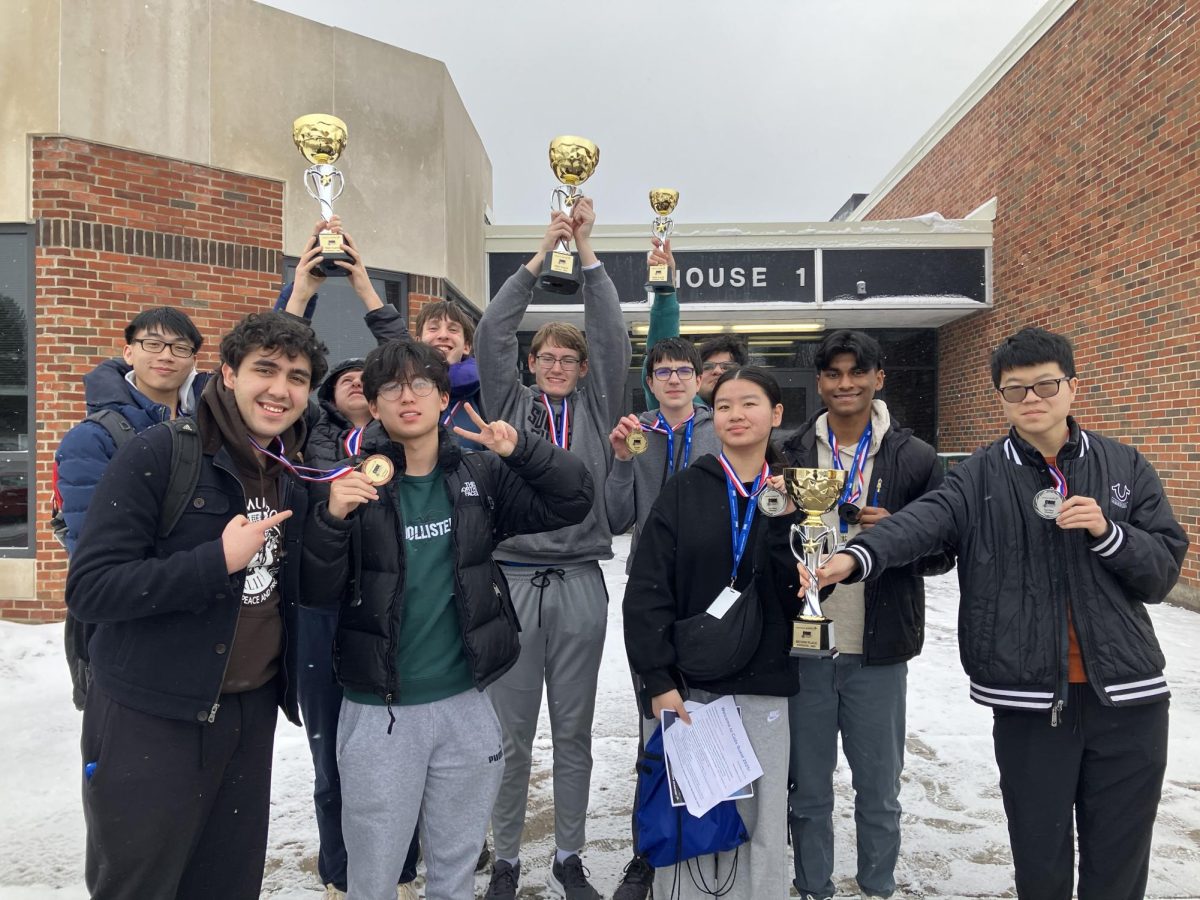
(641, 328)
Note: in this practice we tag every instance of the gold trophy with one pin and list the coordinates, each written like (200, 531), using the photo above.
(663, 202)
(815, 492)
(573, 160)
(322, 138)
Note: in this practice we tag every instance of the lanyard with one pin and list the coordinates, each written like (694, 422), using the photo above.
(563, 438)
(741, 530)
(857, 476)
(449, 417)
(663, 428)
(354, 438)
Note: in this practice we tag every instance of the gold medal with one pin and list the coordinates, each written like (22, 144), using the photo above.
(636, 442)
(378, 469)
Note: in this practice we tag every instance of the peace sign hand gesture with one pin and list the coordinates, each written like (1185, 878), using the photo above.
(498, 436)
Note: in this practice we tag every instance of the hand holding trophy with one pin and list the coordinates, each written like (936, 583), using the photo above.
(815, 492)
(322, 138)
(573, 160)
(661, 279)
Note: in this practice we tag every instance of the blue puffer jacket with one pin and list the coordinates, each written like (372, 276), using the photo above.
(87, 449)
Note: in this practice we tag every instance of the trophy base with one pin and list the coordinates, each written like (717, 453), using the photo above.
(660, 281)
(812, 637)
(560, 274)
(333, 251)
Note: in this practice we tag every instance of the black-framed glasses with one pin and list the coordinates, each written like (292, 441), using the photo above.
(547, 361)
(154, 345)
(1015, 393)
(723, 367)
(421, 387)
(685, 373)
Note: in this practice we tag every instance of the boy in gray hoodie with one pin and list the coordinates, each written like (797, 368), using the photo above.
(554, 577)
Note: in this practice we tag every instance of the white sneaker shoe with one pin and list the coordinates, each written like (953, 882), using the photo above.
(407, 891)
(332, 893)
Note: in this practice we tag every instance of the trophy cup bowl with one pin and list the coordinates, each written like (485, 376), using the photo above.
(815, 492)
(663, 202)
(321, 139)
(573, 160)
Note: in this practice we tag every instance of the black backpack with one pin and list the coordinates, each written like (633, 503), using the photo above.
(186, 454)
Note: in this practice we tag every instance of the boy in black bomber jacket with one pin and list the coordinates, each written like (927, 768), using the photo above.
(1062, 538)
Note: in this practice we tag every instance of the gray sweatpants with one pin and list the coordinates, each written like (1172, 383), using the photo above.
(443, 760)
(761, 863)
(563, 622)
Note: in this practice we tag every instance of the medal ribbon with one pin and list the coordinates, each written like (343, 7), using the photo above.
(563, 438)
(741, 530)
(664, 428)
(353, 441)
(856, 478)
(449, 417)
(313, 473)
(1060, 480)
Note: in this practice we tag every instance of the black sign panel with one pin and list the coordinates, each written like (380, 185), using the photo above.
(707, 276)
(867, 274)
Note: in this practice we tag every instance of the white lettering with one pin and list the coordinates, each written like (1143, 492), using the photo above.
(737, 277)
(699, 273)
(803, 274)
(760, 276)
(712, 279)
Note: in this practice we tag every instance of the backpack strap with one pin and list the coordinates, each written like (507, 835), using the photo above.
(114, 423)
(186, 453)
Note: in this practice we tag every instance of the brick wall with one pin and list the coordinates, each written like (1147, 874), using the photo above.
(118, 231)
(1092, 145)
(422, 289)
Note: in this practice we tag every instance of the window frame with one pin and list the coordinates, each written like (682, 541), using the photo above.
(28, 456)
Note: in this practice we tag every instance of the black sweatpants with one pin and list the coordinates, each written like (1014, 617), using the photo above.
(1102, 770)
(177, 810)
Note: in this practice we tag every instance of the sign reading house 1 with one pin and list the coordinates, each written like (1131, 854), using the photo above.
(780, 276)
(702, 277)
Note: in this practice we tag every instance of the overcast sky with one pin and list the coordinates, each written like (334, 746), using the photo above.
(763, 111)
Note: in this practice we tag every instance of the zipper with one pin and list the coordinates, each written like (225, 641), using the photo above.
(394, 634)
(212, 713)
(1060, 612)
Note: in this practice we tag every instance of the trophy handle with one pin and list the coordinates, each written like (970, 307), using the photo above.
(661, 227)
(819, 540)
(319, 181)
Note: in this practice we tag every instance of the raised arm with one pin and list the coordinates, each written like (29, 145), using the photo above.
(664, 313)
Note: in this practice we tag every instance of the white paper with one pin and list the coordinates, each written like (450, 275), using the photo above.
(723, 603)
(712, 758)
(669, 718)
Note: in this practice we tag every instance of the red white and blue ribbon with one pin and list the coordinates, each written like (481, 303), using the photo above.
(856, 478)
(306, 473)
(449, 417)
(1060, 480)
(559, 436)
(741, 530)
(353, 441)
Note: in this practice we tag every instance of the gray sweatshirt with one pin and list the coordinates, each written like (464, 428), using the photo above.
(597, 403)
(633, 486)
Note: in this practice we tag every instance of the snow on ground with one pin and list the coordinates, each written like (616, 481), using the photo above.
(955, 840)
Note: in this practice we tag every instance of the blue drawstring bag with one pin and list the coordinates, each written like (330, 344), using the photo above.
(666, 834)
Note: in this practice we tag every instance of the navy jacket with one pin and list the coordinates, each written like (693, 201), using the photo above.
(165, 610)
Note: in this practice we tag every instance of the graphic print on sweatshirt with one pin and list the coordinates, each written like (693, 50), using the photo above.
(263, 569)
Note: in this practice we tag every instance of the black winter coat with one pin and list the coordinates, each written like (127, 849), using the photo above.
(165, 610)
(683, 561)
(356, 564)
(894, 624)
(1018, 572)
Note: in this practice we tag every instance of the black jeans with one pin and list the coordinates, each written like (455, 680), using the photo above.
(1101, 770)
(320, 703)
(177, 809)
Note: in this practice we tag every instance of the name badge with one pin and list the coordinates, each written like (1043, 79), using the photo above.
(723, 603)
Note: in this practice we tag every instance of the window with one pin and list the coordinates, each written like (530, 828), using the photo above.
(16, 390)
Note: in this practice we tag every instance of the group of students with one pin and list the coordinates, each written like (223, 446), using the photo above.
(409, 563)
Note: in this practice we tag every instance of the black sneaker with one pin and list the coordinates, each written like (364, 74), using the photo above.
(639, 878)
(485, 857)
(568, 879)
(503, 885)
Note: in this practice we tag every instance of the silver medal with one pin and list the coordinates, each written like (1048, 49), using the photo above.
(1047, 503)
(772, 502)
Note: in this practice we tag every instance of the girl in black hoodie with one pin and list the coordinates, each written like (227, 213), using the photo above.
(704, 533)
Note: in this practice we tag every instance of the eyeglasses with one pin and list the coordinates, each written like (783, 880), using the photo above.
(421, 387)
(1015, 393)
(722, 366)
(547, 361)
(685, 373)
(154, 345)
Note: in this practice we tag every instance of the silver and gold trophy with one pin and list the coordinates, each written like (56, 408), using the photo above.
(663, 202)
(322, 138)
(573, 160)
(815, 492)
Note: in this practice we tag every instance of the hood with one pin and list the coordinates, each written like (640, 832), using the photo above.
(804, 438)
(325, 391)
(464, 379)
(110, 385)
(375, 439)
(221, 423)
(702, 414)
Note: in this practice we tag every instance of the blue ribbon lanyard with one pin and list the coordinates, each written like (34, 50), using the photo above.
(741, 530)
(687, 442)
(853, 490)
